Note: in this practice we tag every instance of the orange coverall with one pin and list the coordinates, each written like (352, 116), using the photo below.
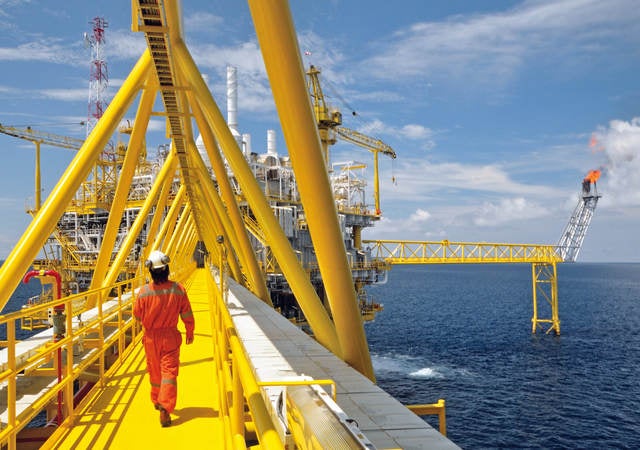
(158, 307)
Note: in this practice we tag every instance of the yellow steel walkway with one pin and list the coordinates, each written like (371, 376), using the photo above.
(121, 416)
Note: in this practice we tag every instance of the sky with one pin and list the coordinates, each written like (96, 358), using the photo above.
(497, 109)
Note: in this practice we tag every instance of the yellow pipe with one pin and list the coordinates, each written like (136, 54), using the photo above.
(376, 184)
(124, 185)
(268, 435)
(303, 290)
(44, 222)
(38, 198)
(279, 45)
(168, 169)
(217, 214)
(158, 215)
(170, 219)
(258, 283)
(205, 193)
(12, 381)
(182, 220)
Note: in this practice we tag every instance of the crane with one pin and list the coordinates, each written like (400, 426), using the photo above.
(330, 124)
(573, 234)
(38, 138)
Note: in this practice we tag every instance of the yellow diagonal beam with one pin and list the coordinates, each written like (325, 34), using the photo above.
(168, 170)
(311, 305)
(257, 281)
(44, 222)
(131, 158)
(279, 46)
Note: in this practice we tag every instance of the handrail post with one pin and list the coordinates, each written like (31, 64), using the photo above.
(11, 382)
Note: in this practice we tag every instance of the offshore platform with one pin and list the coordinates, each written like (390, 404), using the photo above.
(268, 245)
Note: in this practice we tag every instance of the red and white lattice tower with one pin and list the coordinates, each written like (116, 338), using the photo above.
(99, 76)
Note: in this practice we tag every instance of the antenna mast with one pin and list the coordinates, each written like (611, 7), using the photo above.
(99, 76)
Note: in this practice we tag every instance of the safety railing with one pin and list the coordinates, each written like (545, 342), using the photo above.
(80, 348)
(236, 380)
(238, 383)
(433, 409)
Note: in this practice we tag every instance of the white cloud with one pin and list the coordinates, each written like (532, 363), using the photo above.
(416, 132)
(620, 144)
(418, 225)
(490, 48)
(418, 178)
(122, 45)
(508, 210)
(202, 21)
(43, 50)
(66, 95)
(420, 216)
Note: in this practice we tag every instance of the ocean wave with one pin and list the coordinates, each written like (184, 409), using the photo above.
(414, 367)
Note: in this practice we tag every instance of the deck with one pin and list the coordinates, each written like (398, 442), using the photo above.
(120, 415)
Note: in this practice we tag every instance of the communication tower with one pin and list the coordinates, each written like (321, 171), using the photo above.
(98, 76)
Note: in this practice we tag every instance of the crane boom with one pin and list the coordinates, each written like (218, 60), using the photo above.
(38, 138)
(573, 234)
(355, 137)
(329, 122)
(41, 137)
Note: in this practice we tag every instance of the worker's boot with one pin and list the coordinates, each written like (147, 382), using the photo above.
(165, 417)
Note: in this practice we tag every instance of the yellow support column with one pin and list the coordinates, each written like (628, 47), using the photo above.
(258, 283)
(545, 285)
(124, 184)
(167, 170)
(279, 45)
(169, 223)
(44, 222)
(319, 321)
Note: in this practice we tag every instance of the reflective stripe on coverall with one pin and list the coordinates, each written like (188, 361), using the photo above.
(158, 307)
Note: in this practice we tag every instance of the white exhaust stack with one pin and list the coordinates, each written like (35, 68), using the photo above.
(232, 100)
(271, 143)
(246, 143)
(232, 97)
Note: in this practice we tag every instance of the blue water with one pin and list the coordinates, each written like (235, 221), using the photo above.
(463, 333)
(19, 298)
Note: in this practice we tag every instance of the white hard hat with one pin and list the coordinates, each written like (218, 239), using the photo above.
(157, 260)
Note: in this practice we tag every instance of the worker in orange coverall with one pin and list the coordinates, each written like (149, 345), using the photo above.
(158, 306)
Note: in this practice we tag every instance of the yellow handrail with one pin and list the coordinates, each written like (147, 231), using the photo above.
(108, 326)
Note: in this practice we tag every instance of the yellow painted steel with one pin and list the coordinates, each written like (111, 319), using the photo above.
(96, 335)
(125, 248)
(218, 217)
(214, 381)
(306, 296)
(443, 252)
(258, 282)
(131, 158)
(543, 259)
(120, 414)
(166, 230)
(154, 227)
(279, 45)
(545, 286)
(44, 222)
(438, 409)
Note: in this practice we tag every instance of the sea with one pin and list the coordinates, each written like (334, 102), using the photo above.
(463, 333)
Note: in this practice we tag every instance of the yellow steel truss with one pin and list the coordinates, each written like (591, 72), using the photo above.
(543, 260)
